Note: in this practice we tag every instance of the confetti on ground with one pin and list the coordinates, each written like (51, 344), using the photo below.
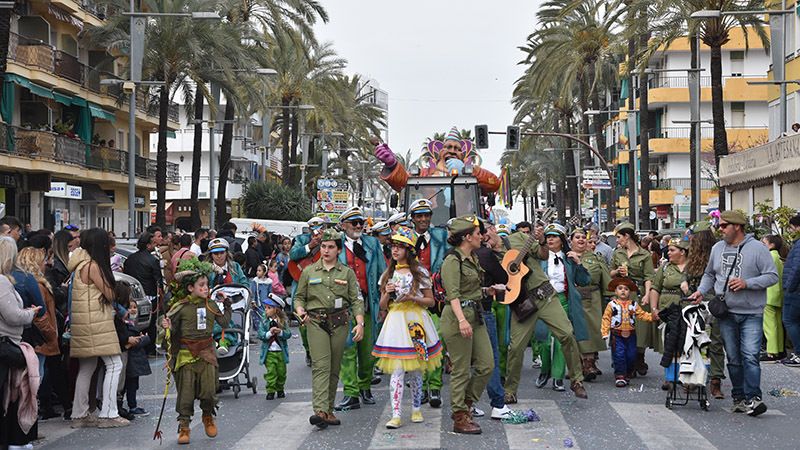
(784, 392)
(519, 417)
(568, 443)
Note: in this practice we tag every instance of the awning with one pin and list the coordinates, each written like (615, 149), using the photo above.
(64, 99)
(98, 112)
(92, 193)
(64, 16)
(26, 83)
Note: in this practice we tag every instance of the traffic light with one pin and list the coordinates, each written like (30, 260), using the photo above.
(512, 137)
(482, 136)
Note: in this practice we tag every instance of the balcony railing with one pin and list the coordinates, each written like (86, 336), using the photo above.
(685, 183)
(683, 82)
(35, 53)
(683, 132)
(48, 146)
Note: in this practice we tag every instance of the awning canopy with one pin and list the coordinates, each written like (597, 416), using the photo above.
(26, 83)
(99, 113)
(64, 99)
(93, 193)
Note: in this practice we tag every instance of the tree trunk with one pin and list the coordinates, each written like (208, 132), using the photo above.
(285, 160)
(295, 135)
(586, 156)
(561, 204)
(225, 162)
(161, 157)
(718, 113)
(197, 157)
(692, 136)
(570, 177)
(644, 138)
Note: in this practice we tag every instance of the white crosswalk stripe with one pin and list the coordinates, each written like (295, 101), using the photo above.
(550, 432)
(427, 434)
(286, 424)
(660, 428)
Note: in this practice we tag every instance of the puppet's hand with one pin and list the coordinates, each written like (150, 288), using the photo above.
(385, 155)
(454, 164)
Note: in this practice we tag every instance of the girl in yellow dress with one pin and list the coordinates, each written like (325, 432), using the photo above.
(408, 342)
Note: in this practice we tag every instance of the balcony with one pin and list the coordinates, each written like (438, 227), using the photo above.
(684, 183)
(61, 149)
(30, 52)
(665, 90)
(676, 139)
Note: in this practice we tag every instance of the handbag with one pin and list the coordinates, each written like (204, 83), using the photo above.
(717, 305)
(10, 354)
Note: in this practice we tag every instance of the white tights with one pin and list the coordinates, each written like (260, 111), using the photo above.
(396, 386)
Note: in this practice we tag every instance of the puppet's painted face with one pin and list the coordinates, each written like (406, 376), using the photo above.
(451, 149)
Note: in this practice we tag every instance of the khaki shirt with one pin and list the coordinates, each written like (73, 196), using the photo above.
(667, 282)
(640, 265)
(462, 280)
(319, 288)
(186, 315)
(536, 277)
(598, 270)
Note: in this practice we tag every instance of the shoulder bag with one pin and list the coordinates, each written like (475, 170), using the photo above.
(717, 305)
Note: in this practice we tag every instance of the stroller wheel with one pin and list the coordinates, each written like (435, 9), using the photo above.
(704, 404)
(236, 390)
(254, 384)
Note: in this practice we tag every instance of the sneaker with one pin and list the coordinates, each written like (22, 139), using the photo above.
(139, 411)
(621, 382)
(477, 412)
(541, 381)
(768, 358)
(394, 423)
(281, 394)
(792, 361)
(558, 386)
(501, 413)
(116, 422)
(755, 407)
(416, 416)
(537, 363)
(739, 406)
(87, 421)
(125, 414)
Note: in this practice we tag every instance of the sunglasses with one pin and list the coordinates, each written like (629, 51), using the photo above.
(722, 226)
(357, 223)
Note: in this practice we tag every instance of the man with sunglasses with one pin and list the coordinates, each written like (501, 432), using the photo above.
(740, 269)
(363, 254)
(448, 156)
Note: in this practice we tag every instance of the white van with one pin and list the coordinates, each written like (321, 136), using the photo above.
(289, 228)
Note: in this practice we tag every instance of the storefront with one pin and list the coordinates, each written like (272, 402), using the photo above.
(768, 173)
(84, 205)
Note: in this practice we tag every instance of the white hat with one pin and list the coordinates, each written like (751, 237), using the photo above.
(218, 245)
(316, 221)
(398, 218)
(420, 206)
(354, 213)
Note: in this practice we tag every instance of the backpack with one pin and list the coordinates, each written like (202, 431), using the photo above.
(437, 286)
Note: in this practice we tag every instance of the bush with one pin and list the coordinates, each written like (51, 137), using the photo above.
(268, 200)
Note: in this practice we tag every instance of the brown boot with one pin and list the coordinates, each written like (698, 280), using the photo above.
(469, 409)
(330, 419)
(586, 367)
(183, 433)
(578, 389)
(464, 425)
(318, 420)
(210, 426)
(716, 389)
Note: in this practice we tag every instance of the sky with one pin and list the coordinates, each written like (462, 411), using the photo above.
(443, 63)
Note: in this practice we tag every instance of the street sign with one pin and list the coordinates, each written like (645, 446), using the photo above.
(594, 174)
(596, 184)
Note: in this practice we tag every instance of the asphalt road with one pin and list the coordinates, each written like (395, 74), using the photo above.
(629, 418)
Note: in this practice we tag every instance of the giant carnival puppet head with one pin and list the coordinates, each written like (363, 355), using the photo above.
(452, 154)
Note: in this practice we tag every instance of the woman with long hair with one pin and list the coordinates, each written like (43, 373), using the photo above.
(32, 261)
(92, 329)
(632, 261)
(701, 240)
(62, 243)
(408, 344)
(773, 326)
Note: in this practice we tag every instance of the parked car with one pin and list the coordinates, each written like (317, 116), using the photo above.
(137, 295)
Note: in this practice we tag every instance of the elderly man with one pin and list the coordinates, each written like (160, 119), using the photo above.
(363, 254)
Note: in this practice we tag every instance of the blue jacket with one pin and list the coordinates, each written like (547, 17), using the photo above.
(28, 288)
(439, 247)
(282, 339)
(376, 265)
(259, 291)
(791, 275)
(298, 252)
(577, 275)
(237, 276)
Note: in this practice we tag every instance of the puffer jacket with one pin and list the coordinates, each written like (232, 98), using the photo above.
(92, 321)
(791, 275)
(675, 334)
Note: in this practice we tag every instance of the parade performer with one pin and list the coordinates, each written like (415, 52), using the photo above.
(619, 328)
(327, 295)
(363, 254)
(274, 333)
(431, 248)
(408, 344)
(304, 252)
(383, 233)
(190, 320)
(440, 160)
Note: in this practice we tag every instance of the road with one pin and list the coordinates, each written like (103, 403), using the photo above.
(629, 418)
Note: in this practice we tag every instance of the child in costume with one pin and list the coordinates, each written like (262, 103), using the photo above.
(619, 328)
(408, 342)
(274, 333)
(260, 288)
(193, 361)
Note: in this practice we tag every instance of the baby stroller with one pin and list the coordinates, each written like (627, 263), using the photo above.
(688, 368)
(236, 361)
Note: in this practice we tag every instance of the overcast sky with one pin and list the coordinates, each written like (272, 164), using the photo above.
(443, 63)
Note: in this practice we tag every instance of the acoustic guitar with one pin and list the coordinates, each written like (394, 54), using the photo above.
(516, 268)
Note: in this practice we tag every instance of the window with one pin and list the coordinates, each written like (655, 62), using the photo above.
(737, 63)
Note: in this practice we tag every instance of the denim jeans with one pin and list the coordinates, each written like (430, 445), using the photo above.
(495, 388)
(791, 320)
(741, 334)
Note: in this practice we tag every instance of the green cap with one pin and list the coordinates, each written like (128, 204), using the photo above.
(331, 235)
(701, 225)
(624, 226)
(734, 217)
(680, 243)
(464, 223)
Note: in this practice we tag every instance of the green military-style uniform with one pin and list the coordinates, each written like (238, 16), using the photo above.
(592, 300)
(640, 270)
(550, 312)
(327, 291)
(472, 358)
(667, 282)
(194, 356)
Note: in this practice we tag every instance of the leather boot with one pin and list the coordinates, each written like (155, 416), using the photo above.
(330, 419)
(641, 365)
(586, 367)
(464, 425)
(716, 389)
(469, 409)
(318, 420)
(183, 433)
(210, 426)
(578, 389)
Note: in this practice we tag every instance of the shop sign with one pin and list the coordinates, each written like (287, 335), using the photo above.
(60, 189)
(138, 202)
